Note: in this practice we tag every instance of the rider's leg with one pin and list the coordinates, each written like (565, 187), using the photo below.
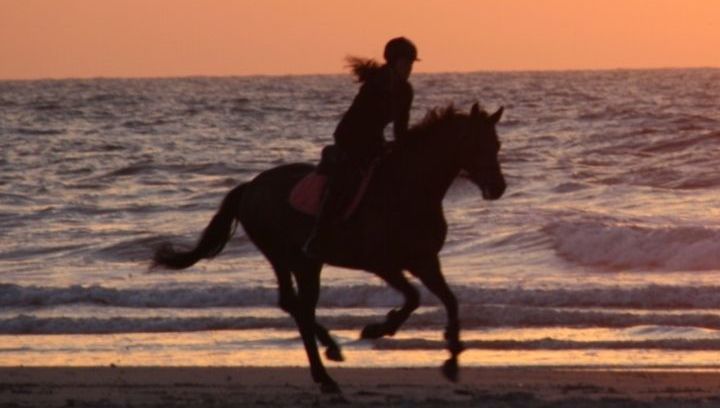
(327, 220)
(342, 183)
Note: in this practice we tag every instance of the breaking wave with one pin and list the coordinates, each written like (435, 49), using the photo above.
(472, 317)
(622, 246)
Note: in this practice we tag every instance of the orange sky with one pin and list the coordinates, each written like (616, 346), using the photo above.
(130, 38)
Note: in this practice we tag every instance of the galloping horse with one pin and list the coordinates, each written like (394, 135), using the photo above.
(398, 226)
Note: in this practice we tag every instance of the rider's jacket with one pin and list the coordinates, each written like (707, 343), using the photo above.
(382, 99)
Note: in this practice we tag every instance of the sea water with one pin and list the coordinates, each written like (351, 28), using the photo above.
(604, 250)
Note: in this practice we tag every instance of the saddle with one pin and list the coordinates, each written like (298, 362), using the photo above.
(307, 194)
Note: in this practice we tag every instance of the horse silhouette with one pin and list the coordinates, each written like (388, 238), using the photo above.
(398, 226)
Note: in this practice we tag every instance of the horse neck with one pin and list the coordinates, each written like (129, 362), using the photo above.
(427, 169)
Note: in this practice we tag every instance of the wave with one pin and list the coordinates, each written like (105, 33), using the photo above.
(553, 344)
(26, 324)
(39, 251)
(38, 132)
(146, 168)
(141, 249)
(652, 297)
(698, 141)
(475, 317)
(624, 246)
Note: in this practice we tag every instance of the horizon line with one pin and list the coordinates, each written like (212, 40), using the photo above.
(278, 75)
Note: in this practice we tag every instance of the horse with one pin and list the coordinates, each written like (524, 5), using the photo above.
(398, 226)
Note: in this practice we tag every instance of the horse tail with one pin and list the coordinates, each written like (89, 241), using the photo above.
(218, 232)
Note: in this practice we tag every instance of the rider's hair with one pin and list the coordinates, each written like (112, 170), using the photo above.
(362, 68)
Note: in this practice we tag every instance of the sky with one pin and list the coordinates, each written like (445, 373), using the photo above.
(159, 38)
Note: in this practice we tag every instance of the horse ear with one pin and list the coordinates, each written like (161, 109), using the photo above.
(475, 111)
(495, 117)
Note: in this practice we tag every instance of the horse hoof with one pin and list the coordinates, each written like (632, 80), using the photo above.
(334, 354)
(372, 331)
(330, 387)
(450, 369)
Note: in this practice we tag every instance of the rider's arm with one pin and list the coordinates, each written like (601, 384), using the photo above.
(401, 112)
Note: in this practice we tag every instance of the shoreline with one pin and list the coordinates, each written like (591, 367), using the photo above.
(120, 386)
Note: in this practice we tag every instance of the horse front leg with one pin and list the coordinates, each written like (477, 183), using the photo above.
(396, 317)
(430, 273)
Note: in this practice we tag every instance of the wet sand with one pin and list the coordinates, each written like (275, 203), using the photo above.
(362, 387)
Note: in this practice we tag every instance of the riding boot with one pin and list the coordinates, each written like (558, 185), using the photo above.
(318, 242)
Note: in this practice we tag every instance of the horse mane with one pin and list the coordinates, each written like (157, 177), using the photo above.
(432, 123)
(429, 126)
(437, 117)
(434, 118)
(363, 68)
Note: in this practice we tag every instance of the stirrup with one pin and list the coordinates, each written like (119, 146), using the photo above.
(312, 248)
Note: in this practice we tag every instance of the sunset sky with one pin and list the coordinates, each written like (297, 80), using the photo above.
(150, 38)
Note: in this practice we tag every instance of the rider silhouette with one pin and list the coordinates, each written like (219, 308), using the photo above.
(385, 97)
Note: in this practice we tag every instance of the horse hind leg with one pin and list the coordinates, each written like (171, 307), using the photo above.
(396, 317)
(304, 315)
(332, 349)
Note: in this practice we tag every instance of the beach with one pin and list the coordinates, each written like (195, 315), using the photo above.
(119, 386)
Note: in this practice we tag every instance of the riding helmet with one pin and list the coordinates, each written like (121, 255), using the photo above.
(400, 47)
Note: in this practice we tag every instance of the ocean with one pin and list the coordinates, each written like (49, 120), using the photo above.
(604, 250)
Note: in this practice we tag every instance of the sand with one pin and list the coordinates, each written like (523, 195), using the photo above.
(362, 387)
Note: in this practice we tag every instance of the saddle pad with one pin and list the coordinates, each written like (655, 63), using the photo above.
(307, 194)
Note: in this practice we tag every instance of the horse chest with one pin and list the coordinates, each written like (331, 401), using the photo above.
(410, 232)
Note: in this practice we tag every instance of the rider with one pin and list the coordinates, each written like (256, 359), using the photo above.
(385, 96)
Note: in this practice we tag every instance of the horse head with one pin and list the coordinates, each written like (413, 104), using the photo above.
(479, 152)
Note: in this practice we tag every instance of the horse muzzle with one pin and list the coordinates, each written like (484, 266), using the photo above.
(492, 191)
